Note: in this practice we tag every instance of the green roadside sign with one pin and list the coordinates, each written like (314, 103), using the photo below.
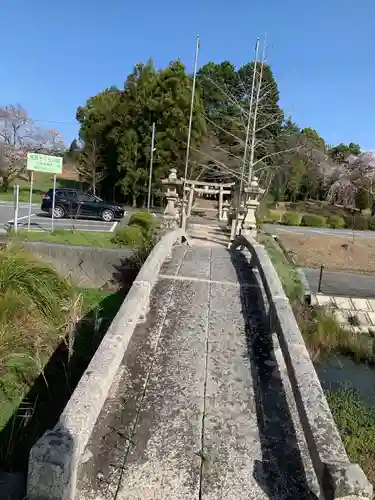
(44, 163)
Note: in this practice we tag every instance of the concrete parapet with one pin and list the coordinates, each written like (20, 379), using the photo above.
(55, 458)
(338, 478)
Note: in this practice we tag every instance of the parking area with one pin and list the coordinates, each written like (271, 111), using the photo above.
(40, 221)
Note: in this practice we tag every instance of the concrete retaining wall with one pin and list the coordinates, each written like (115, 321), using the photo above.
(337, 476)
(88, 266)
(55, 458)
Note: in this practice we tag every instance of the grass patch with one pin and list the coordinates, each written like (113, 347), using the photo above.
(68, 237)
(288, 274)
(356, 424)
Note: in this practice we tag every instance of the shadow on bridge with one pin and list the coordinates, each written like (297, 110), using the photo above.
(281, 473)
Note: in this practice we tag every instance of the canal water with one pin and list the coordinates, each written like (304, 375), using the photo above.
(343, 373)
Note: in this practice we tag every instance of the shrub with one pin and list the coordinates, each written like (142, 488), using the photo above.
(144, 220)
(371, 223)
(335, 222)
(130, 236)
(359, 222)
(272, 217)
(311, 220)
(291, 219)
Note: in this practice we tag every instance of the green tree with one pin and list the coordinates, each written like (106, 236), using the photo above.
(73, 146)
(340, 152)
(99, 123)
(120, 122)
(296, 176)
(362, 199)
(216, 83)
(312, 135)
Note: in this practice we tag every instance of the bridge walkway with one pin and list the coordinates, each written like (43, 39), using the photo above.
(201, 408)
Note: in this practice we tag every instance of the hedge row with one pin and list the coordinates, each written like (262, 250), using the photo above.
(358, 222)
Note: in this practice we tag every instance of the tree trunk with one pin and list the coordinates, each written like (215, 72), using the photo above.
(134, 201)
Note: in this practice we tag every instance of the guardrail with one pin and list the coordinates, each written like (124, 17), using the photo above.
(338, 477)
(55, 458)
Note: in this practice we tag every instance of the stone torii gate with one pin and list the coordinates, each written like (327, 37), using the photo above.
(215, 188)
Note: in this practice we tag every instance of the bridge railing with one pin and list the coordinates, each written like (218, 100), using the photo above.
(338, 477)
(55, 458)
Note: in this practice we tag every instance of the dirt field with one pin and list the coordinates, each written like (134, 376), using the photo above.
(333, 252)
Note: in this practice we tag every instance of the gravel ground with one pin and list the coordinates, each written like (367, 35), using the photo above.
(336, 253)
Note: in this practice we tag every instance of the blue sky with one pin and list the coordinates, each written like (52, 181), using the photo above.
(57, 54)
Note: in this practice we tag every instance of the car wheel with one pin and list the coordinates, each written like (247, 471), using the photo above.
(58, 213)
(107, 215)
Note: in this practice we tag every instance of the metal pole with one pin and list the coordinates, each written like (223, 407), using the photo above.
(190, 122)
(30, 199)
(252, 150)
(151, 163)
(320, 278)
(53, 200)
(247, 131)
(16, 206)
(249, 117)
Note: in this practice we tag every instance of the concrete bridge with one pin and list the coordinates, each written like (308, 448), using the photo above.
(202, 389)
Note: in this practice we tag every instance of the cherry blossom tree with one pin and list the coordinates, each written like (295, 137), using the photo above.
(19, 135)
(357, 172)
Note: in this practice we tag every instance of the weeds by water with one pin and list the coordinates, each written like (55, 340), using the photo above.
(41, 400)
(34, 303)
(39, 313)
(356, 424)
(324, 336)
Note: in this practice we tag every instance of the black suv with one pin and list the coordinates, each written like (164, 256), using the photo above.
(72, 202)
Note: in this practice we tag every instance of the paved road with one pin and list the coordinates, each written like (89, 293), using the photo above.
(342, 283)
(308, 231)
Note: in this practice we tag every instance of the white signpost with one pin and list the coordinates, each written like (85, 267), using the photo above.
(16, 197)
(49, 165)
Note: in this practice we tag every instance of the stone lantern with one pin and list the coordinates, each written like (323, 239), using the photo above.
(253, 192)
(171, 194)
(226, 206)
